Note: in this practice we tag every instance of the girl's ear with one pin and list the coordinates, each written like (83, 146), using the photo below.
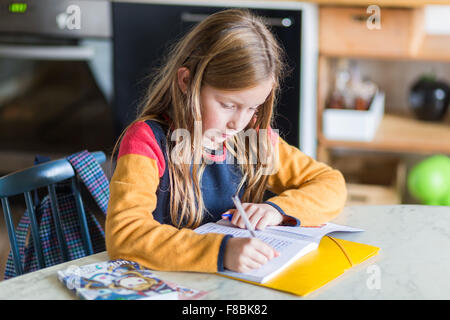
(183, 78)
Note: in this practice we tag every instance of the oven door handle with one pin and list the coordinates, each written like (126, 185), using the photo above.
(47, 52)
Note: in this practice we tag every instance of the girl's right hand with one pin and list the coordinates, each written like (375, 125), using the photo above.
(246, 254)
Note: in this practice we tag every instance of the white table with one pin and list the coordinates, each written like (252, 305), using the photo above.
(413, 263)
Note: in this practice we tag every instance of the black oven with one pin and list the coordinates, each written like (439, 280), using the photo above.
(55, 79)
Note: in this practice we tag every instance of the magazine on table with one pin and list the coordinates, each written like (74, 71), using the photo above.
(122, 280)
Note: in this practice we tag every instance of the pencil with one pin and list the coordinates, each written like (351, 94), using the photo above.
(241, 210)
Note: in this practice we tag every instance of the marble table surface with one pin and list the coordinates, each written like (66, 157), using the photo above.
(413, 263)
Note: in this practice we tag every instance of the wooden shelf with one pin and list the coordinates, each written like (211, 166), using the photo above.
(363, 194)
(398, 133)
(384, 3)
(424, 55)
(343, 33)
(402, 36)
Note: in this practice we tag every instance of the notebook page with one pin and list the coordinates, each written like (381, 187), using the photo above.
(277, 242)
(312, 233)
(290, 249)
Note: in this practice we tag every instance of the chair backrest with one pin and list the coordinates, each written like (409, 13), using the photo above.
(28, 180)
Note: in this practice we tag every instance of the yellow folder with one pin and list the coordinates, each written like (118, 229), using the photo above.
(312, 271)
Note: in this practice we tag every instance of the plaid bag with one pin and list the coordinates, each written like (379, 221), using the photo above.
(94, 179)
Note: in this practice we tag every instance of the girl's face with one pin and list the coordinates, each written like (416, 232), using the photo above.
(225, 113)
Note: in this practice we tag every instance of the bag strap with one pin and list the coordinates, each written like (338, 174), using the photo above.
(93, 177)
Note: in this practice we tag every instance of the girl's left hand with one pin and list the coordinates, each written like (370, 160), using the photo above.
(260, 215)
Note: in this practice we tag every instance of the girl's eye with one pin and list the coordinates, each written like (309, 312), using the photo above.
(227, 106)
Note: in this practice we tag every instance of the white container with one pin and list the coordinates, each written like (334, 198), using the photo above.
(354, 125)
(436, 19)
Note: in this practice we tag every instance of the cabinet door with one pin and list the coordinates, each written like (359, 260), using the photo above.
(346, 31)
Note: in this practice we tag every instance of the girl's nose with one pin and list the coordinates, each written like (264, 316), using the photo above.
(236, 121)
(231, 125)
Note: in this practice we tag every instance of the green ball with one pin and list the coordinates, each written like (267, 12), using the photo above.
(446, 201)
(429, 180)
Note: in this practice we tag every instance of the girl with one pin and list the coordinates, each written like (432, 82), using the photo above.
(187, 153)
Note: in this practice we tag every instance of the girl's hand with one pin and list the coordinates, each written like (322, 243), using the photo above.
(260, 215)
(245, 254)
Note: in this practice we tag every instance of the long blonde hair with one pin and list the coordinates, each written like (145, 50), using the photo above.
(229, 50)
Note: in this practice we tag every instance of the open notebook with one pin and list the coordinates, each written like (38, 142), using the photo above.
(291, 242)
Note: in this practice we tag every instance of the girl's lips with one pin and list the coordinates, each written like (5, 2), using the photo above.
(225, 135)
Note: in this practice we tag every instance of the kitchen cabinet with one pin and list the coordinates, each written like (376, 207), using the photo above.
(344, 34)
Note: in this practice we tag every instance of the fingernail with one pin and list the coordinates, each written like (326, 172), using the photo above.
(227, 216)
